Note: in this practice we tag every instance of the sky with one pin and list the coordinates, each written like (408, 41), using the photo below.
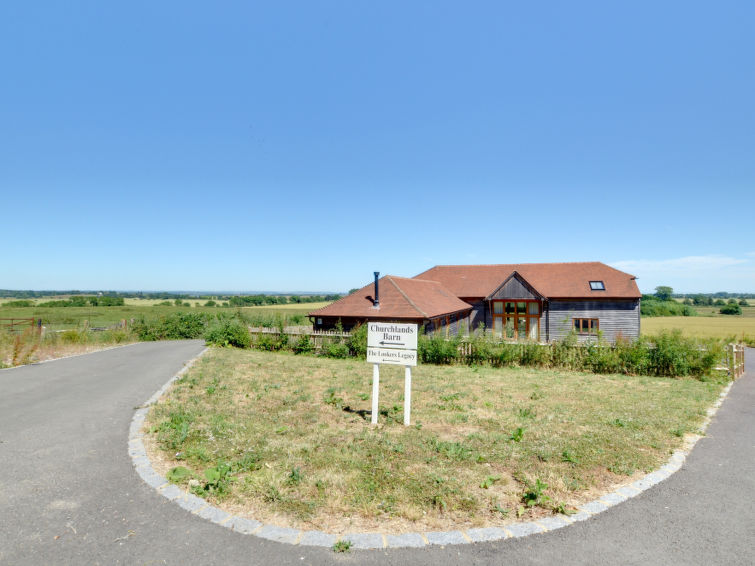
(300, 146)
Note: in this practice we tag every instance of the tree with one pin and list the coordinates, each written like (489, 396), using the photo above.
(664, 293)
(743, 303)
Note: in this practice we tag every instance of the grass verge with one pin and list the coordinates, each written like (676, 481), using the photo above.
(286, 439)
(29, 347)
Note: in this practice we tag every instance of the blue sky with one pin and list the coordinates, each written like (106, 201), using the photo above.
(303, 145)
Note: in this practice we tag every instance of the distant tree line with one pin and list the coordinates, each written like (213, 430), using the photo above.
(662, 303)
(714, 296)
(261, 300)
(257, 299)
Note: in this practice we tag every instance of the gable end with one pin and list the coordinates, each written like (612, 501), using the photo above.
(515, 287)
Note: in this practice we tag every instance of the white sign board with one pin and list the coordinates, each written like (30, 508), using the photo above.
(392, 343)
(392, 335)
(391, 356)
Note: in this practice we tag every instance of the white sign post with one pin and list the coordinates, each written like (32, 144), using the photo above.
(396, 344)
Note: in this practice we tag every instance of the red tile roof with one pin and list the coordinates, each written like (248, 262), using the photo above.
(400, 298)
(551, 280)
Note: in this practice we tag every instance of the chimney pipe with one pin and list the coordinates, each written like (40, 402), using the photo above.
(376, 302)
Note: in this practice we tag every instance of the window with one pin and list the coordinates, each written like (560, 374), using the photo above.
(597, 286)
(516, 320)
(588, 326)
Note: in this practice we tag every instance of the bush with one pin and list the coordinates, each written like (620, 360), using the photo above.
(177, 326)
(651, 306)
(435, 349)
(74, 337)
(731, 309)
(358, 341)
(303, 345)
(336, 350)
(534, 355)
(229, 332)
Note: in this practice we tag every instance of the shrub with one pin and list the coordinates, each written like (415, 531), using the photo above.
(74, 337)
(534, 355)
(229, 332)
(731, 309)
(358, 341)
(436, 349)
(177, 326)
(337, 350)
(303, 345)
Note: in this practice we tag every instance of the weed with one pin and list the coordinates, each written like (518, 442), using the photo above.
(489, 481)
(342, 546)
(517, 434)
(567, 456)
(526, 413)
(534, 494)
(502, 510)
(179, 474)
(294, 477)
(564, 509)
(330, 398)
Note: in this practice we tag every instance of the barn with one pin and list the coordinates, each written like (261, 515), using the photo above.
(539, 302)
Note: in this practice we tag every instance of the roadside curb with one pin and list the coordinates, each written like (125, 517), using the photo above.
(198, 506)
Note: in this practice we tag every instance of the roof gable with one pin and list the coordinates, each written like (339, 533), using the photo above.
(515, 287)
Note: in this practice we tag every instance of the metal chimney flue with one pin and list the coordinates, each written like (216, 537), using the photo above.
(376, 302)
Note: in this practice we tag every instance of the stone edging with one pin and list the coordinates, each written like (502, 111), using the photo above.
(200, 507)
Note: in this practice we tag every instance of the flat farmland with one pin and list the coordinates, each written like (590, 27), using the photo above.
(64, 318)
(720, 326)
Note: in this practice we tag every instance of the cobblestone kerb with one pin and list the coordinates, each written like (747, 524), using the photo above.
(200, 507)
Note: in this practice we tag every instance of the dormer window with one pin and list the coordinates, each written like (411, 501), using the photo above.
(597, 286)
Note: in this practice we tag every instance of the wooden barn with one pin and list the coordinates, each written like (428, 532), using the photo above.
(540, 302)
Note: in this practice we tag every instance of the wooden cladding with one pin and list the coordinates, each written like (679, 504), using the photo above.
(516, 320)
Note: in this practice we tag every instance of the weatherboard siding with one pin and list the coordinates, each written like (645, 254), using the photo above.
(616, 317)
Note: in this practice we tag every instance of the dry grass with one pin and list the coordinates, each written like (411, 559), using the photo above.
(295, 435)
(29, 347)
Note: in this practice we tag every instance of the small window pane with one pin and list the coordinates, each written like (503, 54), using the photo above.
(521, 328)
(533, 329)
(593, 326)
(576, 324)
(510, 308)
(498, 307)
(509, 328)
(521, 308)
(597, 286)
(534, 308)
(497, 325)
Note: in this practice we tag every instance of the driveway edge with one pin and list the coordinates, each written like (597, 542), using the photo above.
(202, 508)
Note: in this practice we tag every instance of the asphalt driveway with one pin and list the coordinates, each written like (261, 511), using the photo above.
(70, 495)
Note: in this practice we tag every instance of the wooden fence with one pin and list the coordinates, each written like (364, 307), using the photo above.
(316, 337)
(18, 325)
(734, 361)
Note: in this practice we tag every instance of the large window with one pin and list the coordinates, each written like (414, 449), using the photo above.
(516, 320)
(586, 326)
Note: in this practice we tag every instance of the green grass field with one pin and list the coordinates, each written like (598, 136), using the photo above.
(287, 439)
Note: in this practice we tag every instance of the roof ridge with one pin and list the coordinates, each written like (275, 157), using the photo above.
(519, 263)
(400, 290)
